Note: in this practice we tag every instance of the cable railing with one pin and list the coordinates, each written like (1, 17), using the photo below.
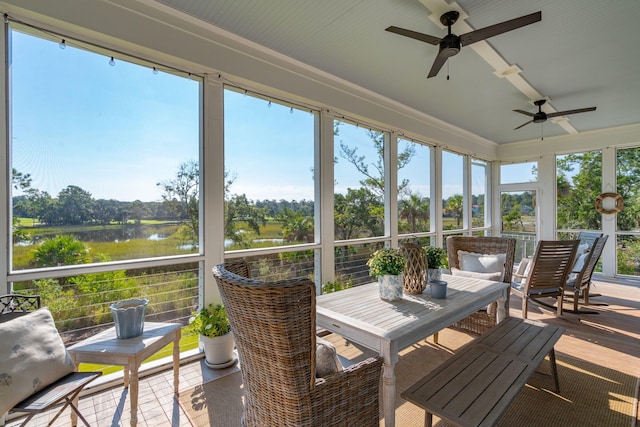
(80, 304)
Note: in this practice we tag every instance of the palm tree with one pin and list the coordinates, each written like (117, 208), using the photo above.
(414, 209)
(454, 206)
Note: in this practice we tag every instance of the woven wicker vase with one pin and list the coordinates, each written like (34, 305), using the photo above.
(415, 271)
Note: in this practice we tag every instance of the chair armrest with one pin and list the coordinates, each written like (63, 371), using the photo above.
(349, 395)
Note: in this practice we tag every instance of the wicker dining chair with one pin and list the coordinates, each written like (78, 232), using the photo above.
(547, 274)
(274, 326)
(482, 320)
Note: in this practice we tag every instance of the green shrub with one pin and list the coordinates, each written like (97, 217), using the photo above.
(211, 321)
(386, 261)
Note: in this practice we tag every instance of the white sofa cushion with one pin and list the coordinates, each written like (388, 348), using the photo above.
(32, 356)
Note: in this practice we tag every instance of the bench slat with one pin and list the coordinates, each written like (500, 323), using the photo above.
(485, 391)
(476, 386)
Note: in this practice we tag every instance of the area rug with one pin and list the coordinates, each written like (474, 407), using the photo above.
(590, 395)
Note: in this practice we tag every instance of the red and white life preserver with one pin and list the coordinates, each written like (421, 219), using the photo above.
(619, 203)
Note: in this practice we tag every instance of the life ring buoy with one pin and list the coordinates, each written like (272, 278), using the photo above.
(616, 198)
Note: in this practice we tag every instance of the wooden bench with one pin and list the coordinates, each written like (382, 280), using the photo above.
(476, 386)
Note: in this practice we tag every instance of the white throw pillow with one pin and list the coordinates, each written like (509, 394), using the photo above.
(581, 255)
(482, 263)
(494, 277)
(32, 356)
(525, 275)
(327, 361)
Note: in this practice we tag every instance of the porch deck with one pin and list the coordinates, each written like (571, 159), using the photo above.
(610, 339)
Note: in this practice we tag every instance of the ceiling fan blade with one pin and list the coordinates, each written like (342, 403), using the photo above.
(415, 35)
(526, 113)
(503, 27)
(567, 112)
(524, 124)
(437, 65)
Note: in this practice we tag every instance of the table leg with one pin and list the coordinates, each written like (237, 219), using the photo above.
(176, 364)
(133, 394)
(502, 309)
(126, 377)
(389, 394)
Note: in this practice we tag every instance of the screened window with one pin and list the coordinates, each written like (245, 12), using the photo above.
(269, 159)
(628, 186)
(414, 187)
(579, 181)
(479, 189)
(628, 219)
(358, 181)
(519, 173)
(104, 158)
(452, 191)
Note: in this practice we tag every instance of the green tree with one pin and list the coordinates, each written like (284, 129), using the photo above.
(415, 210)
(357, 213)
(75, 206)
(374, 172)
(454, 206)
(628, 186)
(239, 208)
(105, 211)
(19, 182)
(578, 183)
(181, 195)
(42, 206)
(296, 226)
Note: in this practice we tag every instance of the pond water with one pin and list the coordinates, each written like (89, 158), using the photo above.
(121, 234)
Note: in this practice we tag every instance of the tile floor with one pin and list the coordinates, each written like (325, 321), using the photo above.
(156, 404)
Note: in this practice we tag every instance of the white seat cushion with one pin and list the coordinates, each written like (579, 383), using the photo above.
(494, 277)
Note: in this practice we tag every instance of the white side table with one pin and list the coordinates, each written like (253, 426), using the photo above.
(106, 348)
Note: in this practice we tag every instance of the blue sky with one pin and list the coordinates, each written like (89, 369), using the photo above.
(116, 131)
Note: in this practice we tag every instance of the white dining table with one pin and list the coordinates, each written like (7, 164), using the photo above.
(359, 315)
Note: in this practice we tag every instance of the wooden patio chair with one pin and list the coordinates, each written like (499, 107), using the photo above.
(274, 326)
(484, 320)
(588, 237)
(63, 391)
(579, 283)
(546, 274)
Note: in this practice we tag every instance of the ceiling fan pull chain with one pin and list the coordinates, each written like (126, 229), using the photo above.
(448, 62)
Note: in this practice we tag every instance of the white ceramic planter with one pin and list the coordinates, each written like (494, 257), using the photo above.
(218, 351)
(390, 287)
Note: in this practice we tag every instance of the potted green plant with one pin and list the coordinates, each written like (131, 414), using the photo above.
(212, 324)
(387, 264)
(436, 259)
